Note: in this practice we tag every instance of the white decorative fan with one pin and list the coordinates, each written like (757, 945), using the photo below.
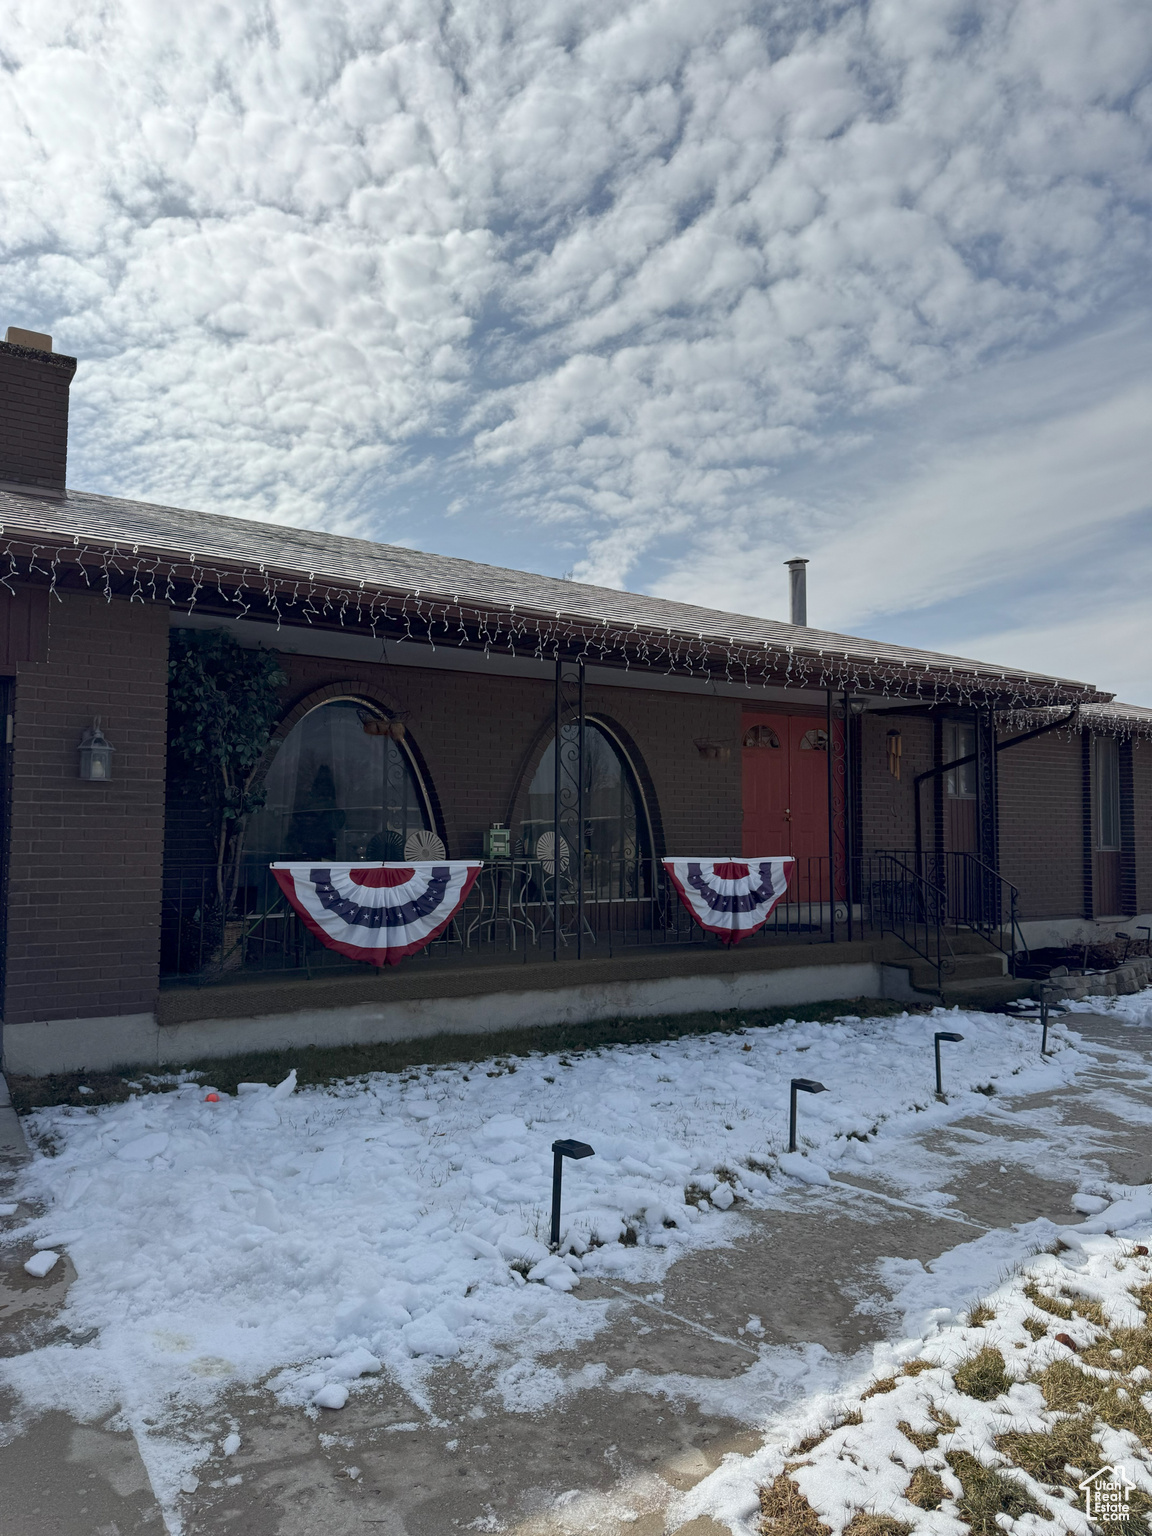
(546, 852)
(423, 845)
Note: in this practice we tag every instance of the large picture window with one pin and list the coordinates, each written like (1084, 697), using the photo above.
(336, 792)
(616, 834)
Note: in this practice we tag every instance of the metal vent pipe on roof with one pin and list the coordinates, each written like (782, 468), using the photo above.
(798, 585)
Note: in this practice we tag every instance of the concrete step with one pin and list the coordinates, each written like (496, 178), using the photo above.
(958, 970)
(986, 992)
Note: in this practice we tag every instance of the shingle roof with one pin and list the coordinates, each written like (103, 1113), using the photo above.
(107, 521)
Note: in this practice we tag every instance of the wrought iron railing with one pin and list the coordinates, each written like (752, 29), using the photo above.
(976, 897)
(509, 916)
(896, 898)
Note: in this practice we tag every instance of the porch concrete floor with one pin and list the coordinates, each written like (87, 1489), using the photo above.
(681, 1386)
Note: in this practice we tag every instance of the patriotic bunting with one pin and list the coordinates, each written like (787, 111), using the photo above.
(730, 897)
(377, 912)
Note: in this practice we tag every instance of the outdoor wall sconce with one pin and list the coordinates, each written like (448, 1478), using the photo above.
(943, 1034)
(95, 754)
(561, 1150)
(895, 747)
(802, 1085)
(713, 749)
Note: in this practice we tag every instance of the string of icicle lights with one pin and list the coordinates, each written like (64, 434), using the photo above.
(117, 571)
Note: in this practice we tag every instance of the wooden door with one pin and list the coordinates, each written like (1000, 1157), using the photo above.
(808, 788)
(765, 773)
(785, 772)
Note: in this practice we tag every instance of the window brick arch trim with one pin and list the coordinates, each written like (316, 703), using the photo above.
(362, 690)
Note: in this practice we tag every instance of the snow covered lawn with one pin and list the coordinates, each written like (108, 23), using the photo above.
(986, 1425)
(310, 1239)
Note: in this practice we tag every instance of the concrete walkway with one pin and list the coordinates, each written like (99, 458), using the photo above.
(652, 1402)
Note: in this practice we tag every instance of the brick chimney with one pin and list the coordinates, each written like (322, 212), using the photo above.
(34, 384)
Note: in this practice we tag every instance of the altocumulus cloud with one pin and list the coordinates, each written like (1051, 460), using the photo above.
(594, 275)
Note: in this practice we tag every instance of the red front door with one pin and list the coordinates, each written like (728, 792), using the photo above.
(785, 771)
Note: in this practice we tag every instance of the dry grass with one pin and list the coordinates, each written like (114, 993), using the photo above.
(862, 1524)
(1047, 1304)
(983, 1376)
(1045, 1456)
(987, 1493)
(922, 1439)
(784, 1511)
(878, 1388)
(925, 1489)
(1057, 1458)
(810, 1442)
(917, 1367)
(1067, 1388)
(926, 1439)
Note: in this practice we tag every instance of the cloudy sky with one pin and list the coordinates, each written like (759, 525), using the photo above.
(657, 293)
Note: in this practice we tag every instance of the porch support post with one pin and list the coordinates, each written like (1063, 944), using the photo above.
(986, 788)
(831, 826)
(986, 815)
(568, 795)
(557, 771)
(849, 828)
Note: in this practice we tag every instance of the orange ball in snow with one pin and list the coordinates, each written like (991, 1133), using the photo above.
(211, 1098)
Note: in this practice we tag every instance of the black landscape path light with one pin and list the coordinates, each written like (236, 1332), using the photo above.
(943, 1034)
(800, 1085)
(561, 1150)
(1040, 1018)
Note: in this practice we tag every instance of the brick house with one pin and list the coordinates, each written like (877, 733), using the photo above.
(946, 815)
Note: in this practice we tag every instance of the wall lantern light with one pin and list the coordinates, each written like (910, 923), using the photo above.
(801, 1085)
(943, 1034)
(561, 1150)
(95, 754)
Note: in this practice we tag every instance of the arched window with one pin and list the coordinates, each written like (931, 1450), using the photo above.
(761, 736)
(338, 790)
(616, 830)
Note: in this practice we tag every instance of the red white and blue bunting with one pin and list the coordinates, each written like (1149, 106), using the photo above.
(730, 897)
(377, 912)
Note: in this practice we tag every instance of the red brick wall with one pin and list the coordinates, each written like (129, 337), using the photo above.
(34, 416)
(1142, 808)
(888, 806)
(480, 735)
(1041, 832)
(84, 858)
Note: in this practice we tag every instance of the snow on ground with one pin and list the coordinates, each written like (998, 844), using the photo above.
(1045, 1384)
(310, 1238)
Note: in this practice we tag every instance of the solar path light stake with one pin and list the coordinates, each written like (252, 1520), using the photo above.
(801, 1085)
(561, 1150)
(1040, 1018)
(943, 1034)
